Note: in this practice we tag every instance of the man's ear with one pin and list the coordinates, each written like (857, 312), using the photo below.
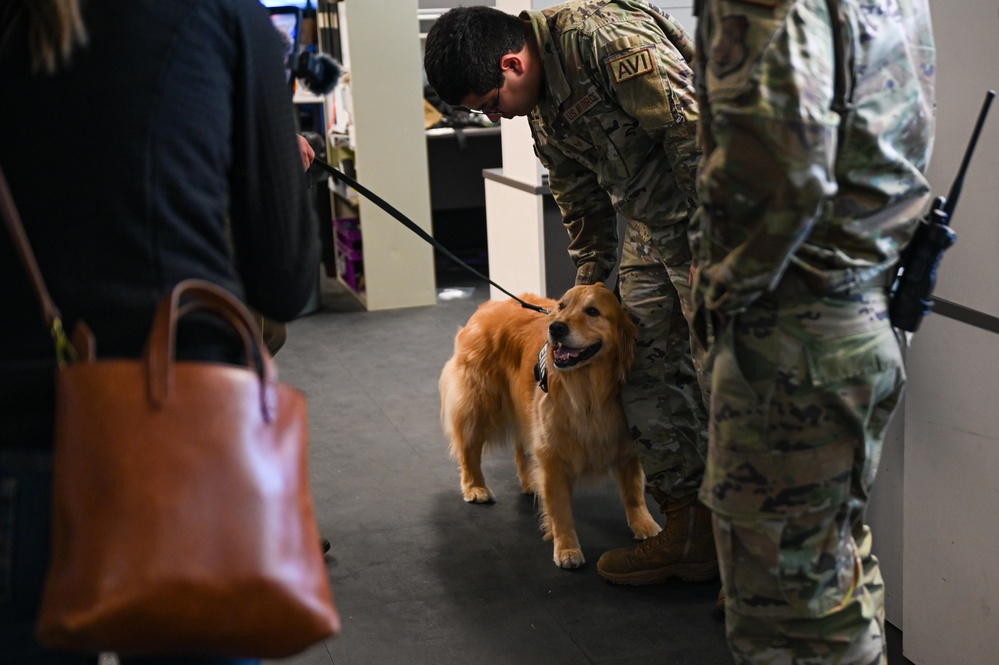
(512, 61)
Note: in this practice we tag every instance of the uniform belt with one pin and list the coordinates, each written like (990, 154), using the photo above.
(797, 282)
(883, 280)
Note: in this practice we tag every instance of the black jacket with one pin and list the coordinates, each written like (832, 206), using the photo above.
(165, 150)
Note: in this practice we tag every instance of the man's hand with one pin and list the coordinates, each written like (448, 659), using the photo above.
(306, 151)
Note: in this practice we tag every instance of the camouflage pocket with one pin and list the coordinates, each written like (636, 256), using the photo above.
(843, 338)
(673, 245)
(863, 353)
(784, 545)
(778, 484)
(607, 155)
(786, 569)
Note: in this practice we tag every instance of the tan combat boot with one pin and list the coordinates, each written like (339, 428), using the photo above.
(685, 548)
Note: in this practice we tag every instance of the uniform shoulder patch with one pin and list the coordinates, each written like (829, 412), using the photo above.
(728, 53)
(631, 64)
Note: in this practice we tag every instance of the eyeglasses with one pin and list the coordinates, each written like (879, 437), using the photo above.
(492, 108)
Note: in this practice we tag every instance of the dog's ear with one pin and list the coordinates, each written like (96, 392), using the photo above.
(628, 334)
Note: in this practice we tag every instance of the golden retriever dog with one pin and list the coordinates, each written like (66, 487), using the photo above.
(573, 430)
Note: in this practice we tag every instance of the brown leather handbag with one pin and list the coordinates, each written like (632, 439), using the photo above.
(183, 521)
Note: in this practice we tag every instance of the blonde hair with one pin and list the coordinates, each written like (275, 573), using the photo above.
(55, 29)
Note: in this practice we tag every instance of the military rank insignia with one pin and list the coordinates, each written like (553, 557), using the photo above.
(632, 64)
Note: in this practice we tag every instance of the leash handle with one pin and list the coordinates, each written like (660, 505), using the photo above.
(412, 226)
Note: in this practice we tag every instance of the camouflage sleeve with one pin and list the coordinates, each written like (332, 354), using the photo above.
(651, 80)
(587, 214)
(768, 73)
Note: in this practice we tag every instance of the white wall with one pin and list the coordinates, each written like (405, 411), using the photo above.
(951, 586)
(951, 458)
(967, 34)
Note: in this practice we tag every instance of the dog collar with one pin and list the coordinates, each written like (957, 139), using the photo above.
(541, 369)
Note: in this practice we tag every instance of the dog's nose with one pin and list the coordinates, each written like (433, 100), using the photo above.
(558, 330)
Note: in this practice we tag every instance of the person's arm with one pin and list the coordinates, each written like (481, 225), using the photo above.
(644, 67)
(769, 86)
(276, 242)
(587, 214)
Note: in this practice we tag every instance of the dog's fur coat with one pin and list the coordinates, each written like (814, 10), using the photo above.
(577, 429)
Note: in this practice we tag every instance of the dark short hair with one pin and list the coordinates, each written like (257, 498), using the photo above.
(463, 50)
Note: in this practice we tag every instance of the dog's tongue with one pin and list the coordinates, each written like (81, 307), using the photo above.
(565, 353)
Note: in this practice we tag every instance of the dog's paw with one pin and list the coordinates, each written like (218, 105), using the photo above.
(569, 558)
(644, 530)
(478, 495)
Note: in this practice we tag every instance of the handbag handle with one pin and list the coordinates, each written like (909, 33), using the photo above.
(162, 338)
(53, 319)
(161, 345)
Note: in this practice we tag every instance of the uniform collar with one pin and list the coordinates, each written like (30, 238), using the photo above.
(556, 85)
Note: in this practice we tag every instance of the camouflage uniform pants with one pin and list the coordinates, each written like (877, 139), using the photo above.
(662, 398)
(803, 390)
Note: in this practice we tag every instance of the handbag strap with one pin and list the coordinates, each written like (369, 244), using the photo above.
(53, 320)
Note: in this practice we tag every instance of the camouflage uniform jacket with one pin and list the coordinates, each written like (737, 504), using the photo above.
(817, 128)
(616, 121)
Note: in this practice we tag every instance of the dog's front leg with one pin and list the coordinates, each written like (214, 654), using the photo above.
(556, 506)
(631, 481)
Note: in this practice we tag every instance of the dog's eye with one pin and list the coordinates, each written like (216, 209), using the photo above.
(561, 306)
(592, 311)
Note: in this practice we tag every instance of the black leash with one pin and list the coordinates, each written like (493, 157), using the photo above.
(412, 226)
